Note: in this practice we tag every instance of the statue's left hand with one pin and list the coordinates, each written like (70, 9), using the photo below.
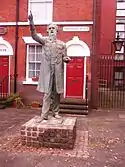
(67, 59)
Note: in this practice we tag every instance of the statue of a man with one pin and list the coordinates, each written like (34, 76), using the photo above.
(54, 54)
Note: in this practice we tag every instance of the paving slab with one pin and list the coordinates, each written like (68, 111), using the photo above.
(100, 141)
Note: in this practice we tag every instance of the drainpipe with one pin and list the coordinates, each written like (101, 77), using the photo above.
(95, 38)
(16, 46)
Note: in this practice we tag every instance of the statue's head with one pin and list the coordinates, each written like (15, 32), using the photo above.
(52, 29)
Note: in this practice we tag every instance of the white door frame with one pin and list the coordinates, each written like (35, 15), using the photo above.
(6, 50)
(77, 48)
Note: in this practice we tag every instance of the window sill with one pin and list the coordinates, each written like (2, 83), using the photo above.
(30, 82)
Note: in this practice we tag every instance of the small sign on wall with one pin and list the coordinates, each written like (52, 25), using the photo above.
(3, 49)
(76, 28)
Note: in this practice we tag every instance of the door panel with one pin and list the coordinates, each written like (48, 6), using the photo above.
(74, 78)
(4, 71)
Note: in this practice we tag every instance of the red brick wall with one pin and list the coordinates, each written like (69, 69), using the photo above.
(23, 10)
(8, 10)
(71, 10)
(108, 24)
(105, 22)
(107, 35)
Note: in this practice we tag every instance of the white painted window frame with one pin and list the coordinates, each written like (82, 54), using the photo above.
(29, 80)
(29, 41)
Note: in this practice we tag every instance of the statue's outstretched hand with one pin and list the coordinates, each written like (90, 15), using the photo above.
(30, 17)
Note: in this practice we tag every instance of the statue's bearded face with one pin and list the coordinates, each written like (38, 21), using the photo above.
(52, 30)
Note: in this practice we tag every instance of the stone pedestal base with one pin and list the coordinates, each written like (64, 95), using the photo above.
(53, 133)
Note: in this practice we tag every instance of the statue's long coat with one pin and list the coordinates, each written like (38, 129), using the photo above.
(45, 69)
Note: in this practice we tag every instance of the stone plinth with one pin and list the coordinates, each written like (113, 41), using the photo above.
(53, 133)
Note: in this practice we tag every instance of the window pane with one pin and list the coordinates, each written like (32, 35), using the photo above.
(119, 57)
(37, 73)
(38, 10)
(31, 49)
(39, 49)
(120, 13)
(31, 74)
(119, 83)
(34, 61)
(38, 57)
(42, 10)
(31, 66)
(31, 57)
(48, 12)
(37, 66)
(120, 27)
(121, 51)
(122, 34)
(118, 75)
(120, 5)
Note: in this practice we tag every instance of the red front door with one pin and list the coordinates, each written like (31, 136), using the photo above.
(74, 78)
(4, 71)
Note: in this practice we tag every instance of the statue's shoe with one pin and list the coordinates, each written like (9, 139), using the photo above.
(40, 119)
(57, 116)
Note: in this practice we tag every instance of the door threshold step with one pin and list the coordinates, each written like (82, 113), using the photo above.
(73, 101)
(70, 111)
(74, 106)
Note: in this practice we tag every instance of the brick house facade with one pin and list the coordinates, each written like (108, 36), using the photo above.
(83, 25)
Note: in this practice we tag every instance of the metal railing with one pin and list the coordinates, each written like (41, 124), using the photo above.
(111, 83)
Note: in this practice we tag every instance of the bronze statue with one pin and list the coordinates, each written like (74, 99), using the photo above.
(54, 54)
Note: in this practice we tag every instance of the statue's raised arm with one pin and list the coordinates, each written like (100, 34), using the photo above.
(33, 30)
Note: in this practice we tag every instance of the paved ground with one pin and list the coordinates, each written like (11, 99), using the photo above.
(100, 142)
